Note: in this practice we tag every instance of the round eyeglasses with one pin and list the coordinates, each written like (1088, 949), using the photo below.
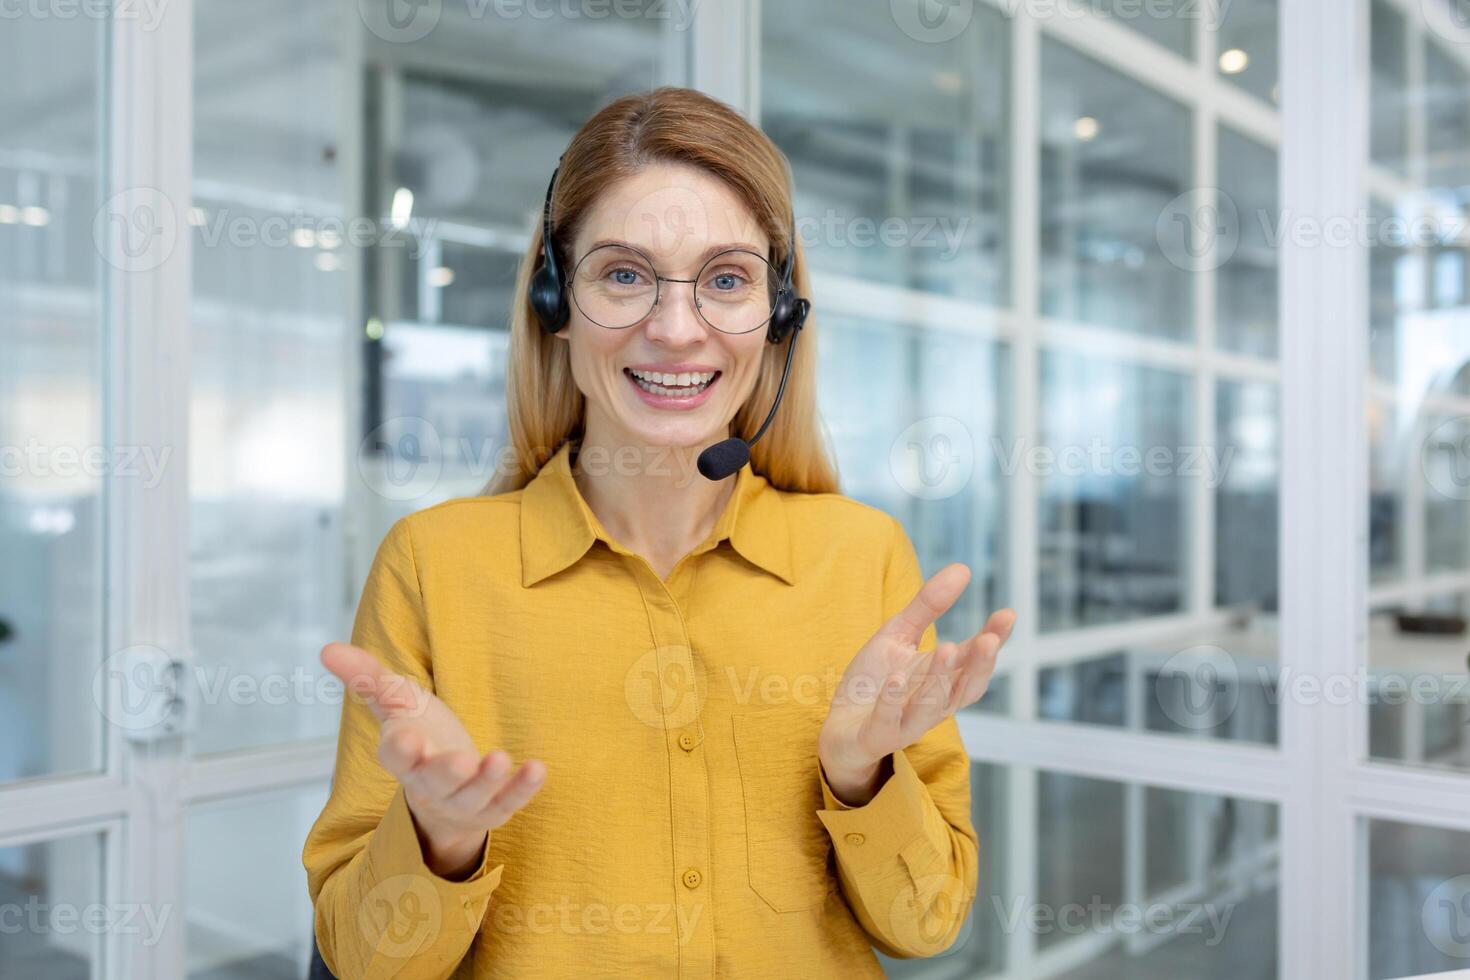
(616, 287)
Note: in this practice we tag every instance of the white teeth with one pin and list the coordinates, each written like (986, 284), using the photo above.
(674, 380)
(676, 386)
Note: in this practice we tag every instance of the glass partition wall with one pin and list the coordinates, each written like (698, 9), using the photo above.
(1132, 308)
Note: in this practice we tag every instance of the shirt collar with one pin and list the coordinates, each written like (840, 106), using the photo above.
(557, 526)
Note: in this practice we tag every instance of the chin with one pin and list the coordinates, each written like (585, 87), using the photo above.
(674, 434)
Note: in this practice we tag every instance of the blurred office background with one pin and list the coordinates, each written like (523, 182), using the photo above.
(1084, 249)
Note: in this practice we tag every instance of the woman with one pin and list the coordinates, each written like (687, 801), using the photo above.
(741, 757)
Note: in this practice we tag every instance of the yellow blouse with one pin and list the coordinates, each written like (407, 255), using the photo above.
(685, 828)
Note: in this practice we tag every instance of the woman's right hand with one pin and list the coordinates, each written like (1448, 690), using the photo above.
(456, 796)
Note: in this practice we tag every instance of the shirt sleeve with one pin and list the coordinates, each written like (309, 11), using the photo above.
(379, 910)
(908, 860)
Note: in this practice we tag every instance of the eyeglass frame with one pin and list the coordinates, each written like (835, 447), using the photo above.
(694, 293)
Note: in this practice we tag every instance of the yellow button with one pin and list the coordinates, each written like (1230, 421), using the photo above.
(692, 878)
(688, 741)
(855, 839)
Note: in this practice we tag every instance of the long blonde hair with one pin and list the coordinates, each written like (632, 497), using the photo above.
(665, 125)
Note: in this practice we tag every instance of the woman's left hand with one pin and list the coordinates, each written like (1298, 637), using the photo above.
(891, 694)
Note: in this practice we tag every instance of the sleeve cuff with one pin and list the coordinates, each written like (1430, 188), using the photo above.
(873, 834)
(393, 852)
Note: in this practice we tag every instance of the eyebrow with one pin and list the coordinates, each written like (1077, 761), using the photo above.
(703, 257)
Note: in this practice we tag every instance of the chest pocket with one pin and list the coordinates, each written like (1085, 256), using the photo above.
(787, 847)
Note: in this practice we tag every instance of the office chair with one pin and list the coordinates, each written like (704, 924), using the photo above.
(318, 969)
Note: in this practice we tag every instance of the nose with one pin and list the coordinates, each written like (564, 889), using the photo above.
(674, 322)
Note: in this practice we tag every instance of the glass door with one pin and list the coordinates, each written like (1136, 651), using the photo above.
(1416, 406)
(55, 467)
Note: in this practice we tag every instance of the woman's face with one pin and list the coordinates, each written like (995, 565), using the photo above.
(677, 216)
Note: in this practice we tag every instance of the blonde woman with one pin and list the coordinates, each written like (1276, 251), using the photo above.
(736, 733)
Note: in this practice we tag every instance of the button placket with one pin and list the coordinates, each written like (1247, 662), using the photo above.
(688, 775)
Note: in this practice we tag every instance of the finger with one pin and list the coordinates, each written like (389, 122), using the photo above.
(936, 680)
(442, 774)
(932, 699)
(921, 672)
(516, 793)
(884, 724)
(490, 776)
(386, 693)
(978, 665)
(402, 747)
(998, 626)
(935, 692)
(920, 669)
(1000, 623)
(931, 601)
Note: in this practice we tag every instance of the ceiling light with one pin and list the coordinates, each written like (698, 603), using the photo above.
(402, 209)
(1233, 62)
(949, 81)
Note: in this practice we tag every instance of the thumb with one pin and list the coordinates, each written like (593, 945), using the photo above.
(387, 694)
(931, 601)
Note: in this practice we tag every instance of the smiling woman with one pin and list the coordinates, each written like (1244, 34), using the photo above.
(741, 756)
(684, 199)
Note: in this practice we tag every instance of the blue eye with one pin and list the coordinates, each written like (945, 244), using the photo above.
(625, 277)
(727, 281)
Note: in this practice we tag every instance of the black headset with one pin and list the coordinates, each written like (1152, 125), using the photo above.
(548, 294)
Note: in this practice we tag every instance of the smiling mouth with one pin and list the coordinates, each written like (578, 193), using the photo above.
(655, 383)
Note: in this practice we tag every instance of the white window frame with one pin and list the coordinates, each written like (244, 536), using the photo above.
(138, 802)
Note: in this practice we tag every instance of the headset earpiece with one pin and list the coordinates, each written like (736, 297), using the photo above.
(548, 299)
(794, 320)
(548, 288)
(790, 311)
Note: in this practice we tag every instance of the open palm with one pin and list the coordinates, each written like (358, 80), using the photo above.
(891, 694)
(456, 795)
